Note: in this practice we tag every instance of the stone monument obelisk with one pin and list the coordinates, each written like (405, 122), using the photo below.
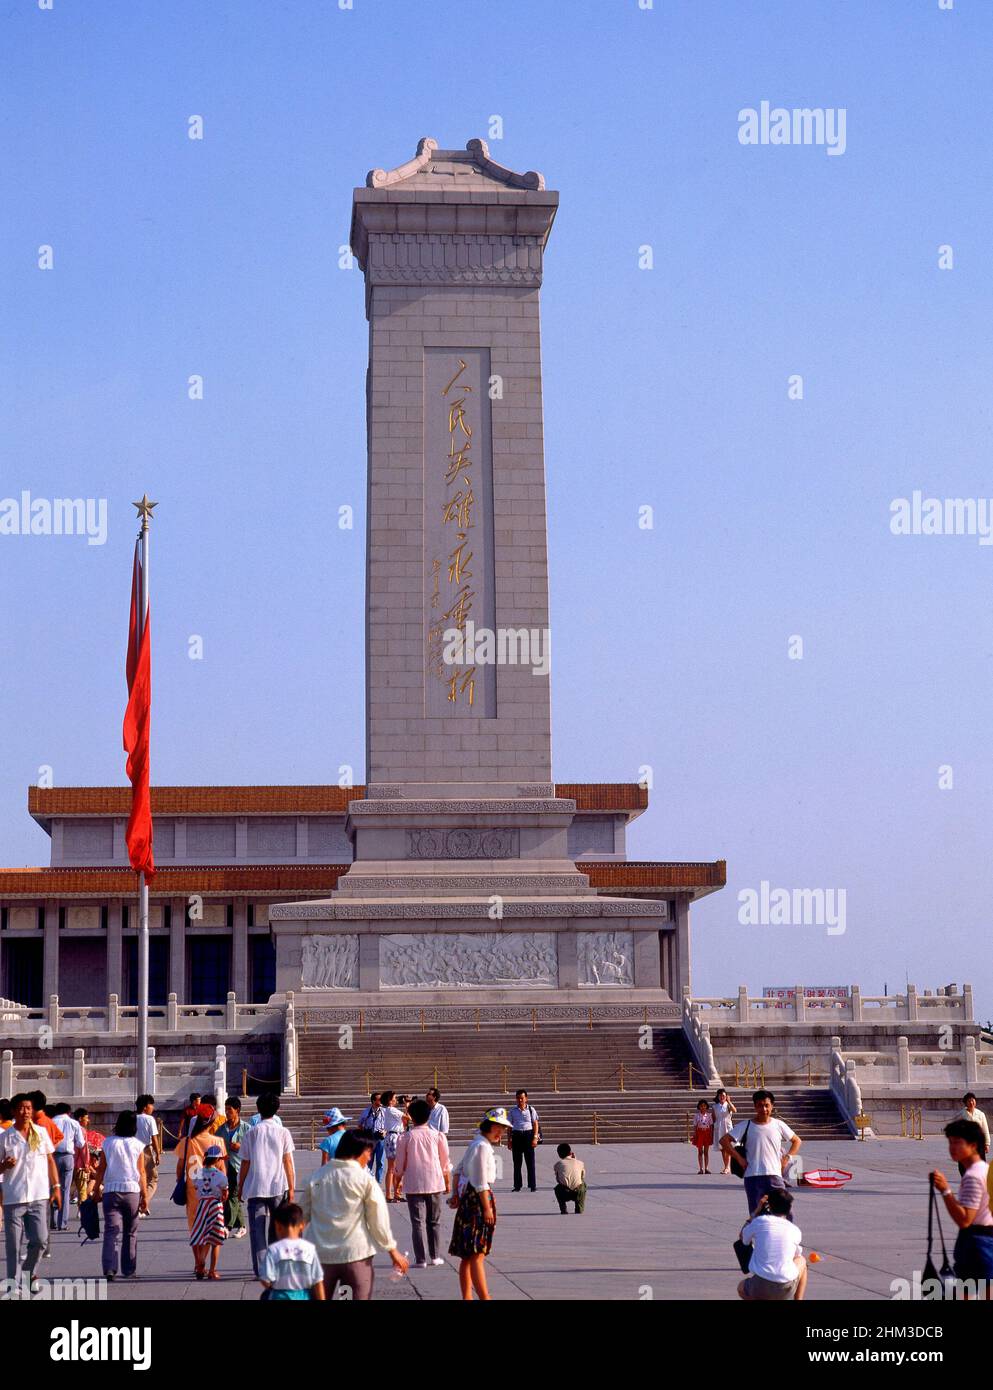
(461, 881)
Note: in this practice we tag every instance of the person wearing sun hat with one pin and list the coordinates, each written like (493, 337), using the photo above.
(475, 1205)
(335, 1123)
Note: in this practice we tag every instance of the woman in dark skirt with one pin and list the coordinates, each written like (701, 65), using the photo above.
(472, 1196)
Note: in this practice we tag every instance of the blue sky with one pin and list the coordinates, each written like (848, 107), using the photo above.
(664, 387)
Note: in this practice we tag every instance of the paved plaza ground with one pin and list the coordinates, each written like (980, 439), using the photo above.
(652, 1229)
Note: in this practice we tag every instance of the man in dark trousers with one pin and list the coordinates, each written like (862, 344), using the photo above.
(524, 1138)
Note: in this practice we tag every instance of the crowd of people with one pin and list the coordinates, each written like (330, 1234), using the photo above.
(312, 1239)
(318, 1238)
(762, 1150)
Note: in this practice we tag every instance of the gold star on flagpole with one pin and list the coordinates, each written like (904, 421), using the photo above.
(145, 508)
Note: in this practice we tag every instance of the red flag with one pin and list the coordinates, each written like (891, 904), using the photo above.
(137, 725)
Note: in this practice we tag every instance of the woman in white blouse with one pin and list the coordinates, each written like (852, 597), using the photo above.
(120, 1181)
(724, 1111)
(472, 1196)
(393, 1124)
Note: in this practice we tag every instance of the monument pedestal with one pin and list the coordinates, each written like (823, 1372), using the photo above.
(464, 894)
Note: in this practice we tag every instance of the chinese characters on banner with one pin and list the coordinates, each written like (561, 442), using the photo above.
(458, 526)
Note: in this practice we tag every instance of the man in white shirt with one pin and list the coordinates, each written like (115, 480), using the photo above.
(347, 1218)
(73, 1139)
(777, 1270)
(769, 1144)
(30, 1182)
(438, 1119)
(148, 1133)
(524, 1139)
(970, 1111)
(266, 1175)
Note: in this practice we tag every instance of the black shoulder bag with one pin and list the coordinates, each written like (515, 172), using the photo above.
(742, 1150)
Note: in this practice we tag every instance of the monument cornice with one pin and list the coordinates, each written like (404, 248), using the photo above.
(435, 909)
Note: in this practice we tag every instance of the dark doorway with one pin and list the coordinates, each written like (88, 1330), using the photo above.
(83, 971)
(23, 971)
(209, 969)
(263, 967)
(158, 970)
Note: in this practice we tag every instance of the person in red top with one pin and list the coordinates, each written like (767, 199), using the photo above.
(39, 1100)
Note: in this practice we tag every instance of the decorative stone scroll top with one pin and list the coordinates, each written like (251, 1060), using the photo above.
(462, 844)
(479, 162)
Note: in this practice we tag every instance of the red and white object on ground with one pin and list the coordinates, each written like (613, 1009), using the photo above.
(826, 1177)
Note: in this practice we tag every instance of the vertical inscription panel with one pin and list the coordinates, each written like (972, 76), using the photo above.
(459, 586)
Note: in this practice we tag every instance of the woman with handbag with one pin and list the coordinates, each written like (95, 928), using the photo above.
(475, 1205)
(724, 1112)
(189, 1165)
(973, 1254)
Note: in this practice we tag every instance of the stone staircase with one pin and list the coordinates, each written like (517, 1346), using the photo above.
(586, 1083)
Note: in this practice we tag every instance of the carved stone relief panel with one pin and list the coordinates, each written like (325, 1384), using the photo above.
(606, 958)
(463, 960)
(330, 961)
(463, 844)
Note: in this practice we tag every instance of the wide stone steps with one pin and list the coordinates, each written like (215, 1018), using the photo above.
(586, 1083)
(640, 1116)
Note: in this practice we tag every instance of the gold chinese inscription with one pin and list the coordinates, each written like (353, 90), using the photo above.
(453, 592)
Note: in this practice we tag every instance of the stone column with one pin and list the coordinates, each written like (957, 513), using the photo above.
(115, 949)
(239, 951)
(177, 949)
(646, 960)
(742, 1004)
(969, 1062)
(902, 1059)
(683, 980)
(368, 962)
(50, 974)
(567, 944)
(452, 297)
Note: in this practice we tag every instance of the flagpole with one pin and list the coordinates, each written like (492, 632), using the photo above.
(141, 1069)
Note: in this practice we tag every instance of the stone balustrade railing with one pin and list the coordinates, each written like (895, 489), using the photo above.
(908, 1070)
(911, 1007)
(170, 1081)
(844, 1085)
(697, 1034)
(118, 1018)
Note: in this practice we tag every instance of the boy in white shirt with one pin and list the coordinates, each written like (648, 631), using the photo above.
(777, 1270)
(290, 1268)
